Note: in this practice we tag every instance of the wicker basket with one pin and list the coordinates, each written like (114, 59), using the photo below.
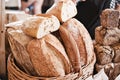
(14, 73)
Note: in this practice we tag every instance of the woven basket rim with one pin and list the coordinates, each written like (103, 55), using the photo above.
(21, 73)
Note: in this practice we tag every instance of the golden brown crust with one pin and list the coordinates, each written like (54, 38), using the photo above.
(48, 58)
(73, 28)
(39, 26)
(56, 44)
(71, 48)
(18, 42)
(82, 40)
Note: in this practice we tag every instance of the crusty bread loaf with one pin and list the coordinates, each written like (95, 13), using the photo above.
(109, 18)
(82, 40)
(49, 57)
(63, 10)
(18, 42)
(39, 26)
(106, 36)
(56, 44)
(71, 48)
(104, 54)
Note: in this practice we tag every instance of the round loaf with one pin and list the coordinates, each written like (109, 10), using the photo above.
(49, 57)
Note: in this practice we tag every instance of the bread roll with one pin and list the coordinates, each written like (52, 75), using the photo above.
(49, 57)
(39, 26)
(106, 36)
(63, 10)
(104, 54)
(109, 18)
(82, 39)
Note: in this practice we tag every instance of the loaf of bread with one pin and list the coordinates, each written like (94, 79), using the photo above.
(104, 54)
(106, 36)
(109, 18)
(49, 57)
(81, 38)
(71, 48)
(39, 26)
(63, 10)
(18, 42)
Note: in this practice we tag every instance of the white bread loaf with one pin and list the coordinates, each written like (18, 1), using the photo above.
(39, 26)
(63, 10)
(49, 57)
(18, 42)
(82, 40)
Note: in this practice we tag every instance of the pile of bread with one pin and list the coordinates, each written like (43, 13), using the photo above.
(40, 53)
(107, 47)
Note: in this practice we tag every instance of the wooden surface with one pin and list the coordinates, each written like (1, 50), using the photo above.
(2, 40)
